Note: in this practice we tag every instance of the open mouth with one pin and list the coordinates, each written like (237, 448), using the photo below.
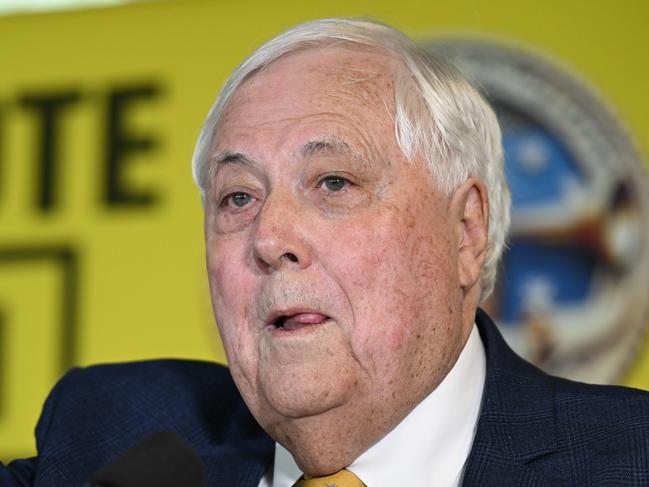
(298, 321)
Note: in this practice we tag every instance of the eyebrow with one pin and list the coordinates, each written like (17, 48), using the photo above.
(220, 159)
(228, 157)
(332, 145)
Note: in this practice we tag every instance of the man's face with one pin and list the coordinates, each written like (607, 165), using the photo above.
(333, 262)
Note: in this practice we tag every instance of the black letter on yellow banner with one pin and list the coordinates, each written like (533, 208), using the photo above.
(120, 144)
(48, 107)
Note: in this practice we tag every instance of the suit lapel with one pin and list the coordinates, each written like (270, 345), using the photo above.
(517, 419)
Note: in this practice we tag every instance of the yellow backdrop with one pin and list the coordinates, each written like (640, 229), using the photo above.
(101, 253)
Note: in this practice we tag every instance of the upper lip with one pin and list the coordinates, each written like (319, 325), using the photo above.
(281, 314)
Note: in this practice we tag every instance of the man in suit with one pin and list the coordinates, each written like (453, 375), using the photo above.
(355, 211)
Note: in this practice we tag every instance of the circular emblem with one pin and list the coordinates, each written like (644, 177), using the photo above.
(572, 290)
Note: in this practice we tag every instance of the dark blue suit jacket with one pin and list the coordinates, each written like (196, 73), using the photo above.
(533, 430)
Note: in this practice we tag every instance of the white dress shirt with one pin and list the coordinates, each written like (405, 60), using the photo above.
(430, 446)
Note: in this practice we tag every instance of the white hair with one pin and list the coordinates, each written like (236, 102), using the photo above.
(439, 117)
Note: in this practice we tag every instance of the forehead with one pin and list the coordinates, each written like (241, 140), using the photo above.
(363, 73)
(337, 88)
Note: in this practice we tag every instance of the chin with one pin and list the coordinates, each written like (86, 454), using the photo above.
(320, 468)
(335, 449)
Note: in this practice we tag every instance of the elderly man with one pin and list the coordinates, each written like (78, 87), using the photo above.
(355, 212)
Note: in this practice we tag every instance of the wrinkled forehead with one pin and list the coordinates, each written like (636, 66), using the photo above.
(323, 76)
(343, 96)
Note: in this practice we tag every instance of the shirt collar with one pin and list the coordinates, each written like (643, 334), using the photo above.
(431, 443)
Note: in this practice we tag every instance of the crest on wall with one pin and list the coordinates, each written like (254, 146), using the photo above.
(572, 293)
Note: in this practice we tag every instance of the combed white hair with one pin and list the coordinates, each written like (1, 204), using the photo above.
(439, 116)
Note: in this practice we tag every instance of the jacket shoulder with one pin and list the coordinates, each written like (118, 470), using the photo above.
(157, 393)
(602, 435)
(163, 378)
(612, 422)
(554, 429)
(95, 413)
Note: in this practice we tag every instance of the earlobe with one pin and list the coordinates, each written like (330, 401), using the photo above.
(472, 209)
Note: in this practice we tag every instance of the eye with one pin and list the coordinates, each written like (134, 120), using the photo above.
(238, 199)
(334, 183)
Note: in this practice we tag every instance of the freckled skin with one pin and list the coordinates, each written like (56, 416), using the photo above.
(388, 259)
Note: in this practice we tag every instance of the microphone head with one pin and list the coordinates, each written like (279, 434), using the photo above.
(161, 459)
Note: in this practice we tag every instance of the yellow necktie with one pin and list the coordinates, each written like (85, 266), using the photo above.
(343, 478)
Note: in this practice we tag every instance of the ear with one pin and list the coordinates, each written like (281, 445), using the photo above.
(470, 207)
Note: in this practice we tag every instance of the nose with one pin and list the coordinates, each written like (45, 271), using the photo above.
(280, 235)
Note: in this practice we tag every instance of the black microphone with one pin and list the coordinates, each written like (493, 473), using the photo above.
(161, 459)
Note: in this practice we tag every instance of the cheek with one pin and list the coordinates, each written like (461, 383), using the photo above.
(368, 263)
(228, 273)
(398, 276)
(231, 286)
